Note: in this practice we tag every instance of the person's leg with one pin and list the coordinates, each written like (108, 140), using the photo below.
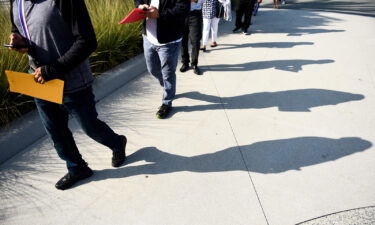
(195, 35)
(81, 105)
(214, 29)
(239, 14)
(185, 58)
(206, 31)
(168, 55)
(55, 121)
(248, 14)
(152, 60)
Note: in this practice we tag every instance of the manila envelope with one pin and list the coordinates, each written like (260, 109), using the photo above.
(24, 83)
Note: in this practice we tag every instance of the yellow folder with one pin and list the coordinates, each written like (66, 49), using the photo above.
(24, 83)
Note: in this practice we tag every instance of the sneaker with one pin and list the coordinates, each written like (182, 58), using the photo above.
(184, 67)
(69, 179)
(283, 2)
(163, 111)
(236, 29)
(196, 70)
(203, 48)
(246, 32)
(119, 157)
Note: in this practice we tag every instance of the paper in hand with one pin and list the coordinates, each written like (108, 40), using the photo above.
(24, 83)
(134, 16)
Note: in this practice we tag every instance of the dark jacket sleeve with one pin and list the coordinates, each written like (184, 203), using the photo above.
(181, 8)
(76, 15)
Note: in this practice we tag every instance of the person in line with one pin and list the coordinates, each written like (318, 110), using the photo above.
(162, 34)
(210, 23)
(244, 10)
(59, 37)
(192, 32)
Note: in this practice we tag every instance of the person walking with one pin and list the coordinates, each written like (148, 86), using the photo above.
(192, 32)
(210, 23)
(162, 34)
(244, 10)
(58, 37)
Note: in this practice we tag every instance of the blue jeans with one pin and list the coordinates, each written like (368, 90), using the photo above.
(161, 63)
(81, 105)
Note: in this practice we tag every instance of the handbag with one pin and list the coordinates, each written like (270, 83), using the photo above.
(219, 9)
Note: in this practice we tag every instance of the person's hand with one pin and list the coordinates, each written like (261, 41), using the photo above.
(143, 6)
(38, 76)
(16, 39)
(152, 12)
(259, 1)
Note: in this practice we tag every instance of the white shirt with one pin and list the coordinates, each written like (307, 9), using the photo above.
(151, 28)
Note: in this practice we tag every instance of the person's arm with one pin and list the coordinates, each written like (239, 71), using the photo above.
(77, 17)
(14, 29)
(181, 8)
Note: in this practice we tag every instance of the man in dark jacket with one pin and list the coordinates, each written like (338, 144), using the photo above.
(58, 37)
(162, 34)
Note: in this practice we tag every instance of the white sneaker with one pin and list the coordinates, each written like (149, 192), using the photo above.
(283, 2)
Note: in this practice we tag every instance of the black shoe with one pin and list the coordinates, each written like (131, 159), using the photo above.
(119, 157)
(184, 67)
(196, 70)
(163, 111)
(236, 29)
(246, 32)
(203, 48)
(69, 179)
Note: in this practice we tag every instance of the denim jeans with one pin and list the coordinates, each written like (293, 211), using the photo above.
(161, 63)
(81, 105)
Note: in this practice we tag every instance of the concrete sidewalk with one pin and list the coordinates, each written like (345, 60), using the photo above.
(277, 130)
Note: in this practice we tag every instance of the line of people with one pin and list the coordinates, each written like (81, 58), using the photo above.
(58, 36)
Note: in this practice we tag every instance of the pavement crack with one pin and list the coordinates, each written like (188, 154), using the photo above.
(239, 148)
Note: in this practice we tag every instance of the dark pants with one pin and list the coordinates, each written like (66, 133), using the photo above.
(192, 31)
(55, 118)
(244, 9)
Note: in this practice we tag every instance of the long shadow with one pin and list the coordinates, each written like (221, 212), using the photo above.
(261, 45)
(358, 7)
(297, 23)
(291, 101)
(292, 65)
(266, 157)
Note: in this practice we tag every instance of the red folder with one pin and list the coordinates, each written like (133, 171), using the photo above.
(133, 16)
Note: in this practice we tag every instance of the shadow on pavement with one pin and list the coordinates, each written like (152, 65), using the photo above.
(291, 101)
(262, 45)
(273, 156)
(292, 65)
(358, 7)
(298, 23)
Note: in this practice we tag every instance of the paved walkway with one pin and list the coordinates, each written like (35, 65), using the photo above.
(278, 130)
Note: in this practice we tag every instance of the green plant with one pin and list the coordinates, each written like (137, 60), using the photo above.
(116, 44)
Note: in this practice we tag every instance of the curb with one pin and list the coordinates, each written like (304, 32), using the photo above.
(26, 130)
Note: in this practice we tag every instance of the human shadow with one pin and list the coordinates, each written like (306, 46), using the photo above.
(301, 100)
(292, 65)
(267, 157)
(297, 23)
(359, 7)
(262, 45)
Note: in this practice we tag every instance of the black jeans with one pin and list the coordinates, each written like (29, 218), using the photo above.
(192, 31)
(244, 8)
(81, 105)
